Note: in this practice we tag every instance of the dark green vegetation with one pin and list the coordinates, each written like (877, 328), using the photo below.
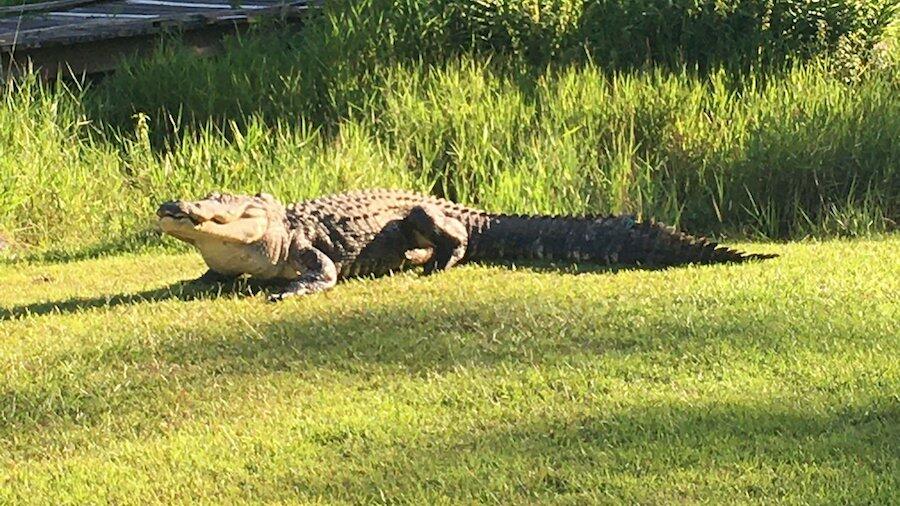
(757, 383)
(612, 33)
(794, 134)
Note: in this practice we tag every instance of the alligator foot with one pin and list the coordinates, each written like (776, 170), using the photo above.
(297, 288)
(418, 256)
(428, 227)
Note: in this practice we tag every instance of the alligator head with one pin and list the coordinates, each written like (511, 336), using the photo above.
(237, 219)
(235, 234)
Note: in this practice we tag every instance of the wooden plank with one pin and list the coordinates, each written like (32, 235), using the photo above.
(104, 55)
(94, 38)
(18, 25)
(102, 15)
(98, 45)
(143, 9)
(186, 8)
(43, 6)
(13, 27)
(196, 5)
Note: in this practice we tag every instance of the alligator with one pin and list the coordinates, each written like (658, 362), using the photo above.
(308, 246)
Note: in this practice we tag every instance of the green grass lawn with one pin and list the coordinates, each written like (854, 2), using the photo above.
(773, 380)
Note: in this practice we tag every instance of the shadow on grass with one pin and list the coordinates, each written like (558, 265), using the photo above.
(187, 291)
(709, 447)
(139, 241)
(604, 455)
(405, 334)
(184, 290)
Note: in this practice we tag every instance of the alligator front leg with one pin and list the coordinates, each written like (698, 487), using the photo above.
(318, 272)
(428, 227)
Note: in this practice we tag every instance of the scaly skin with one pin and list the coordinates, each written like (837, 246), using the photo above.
(313, 244)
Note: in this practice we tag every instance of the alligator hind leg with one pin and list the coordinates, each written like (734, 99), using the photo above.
(428, 227)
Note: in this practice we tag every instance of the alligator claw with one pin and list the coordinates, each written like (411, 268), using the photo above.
(275, 297)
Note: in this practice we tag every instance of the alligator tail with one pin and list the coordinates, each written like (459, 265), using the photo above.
(607, 240)
(653, 243)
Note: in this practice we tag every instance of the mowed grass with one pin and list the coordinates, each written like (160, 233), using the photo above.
(768, 381)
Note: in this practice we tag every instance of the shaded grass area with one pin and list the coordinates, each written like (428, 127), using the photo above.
(772, 380)
(622, 34)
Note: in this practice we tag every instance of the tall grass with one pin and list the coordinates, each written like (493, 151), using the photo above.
(331, 65)
(514, 106)
(802, 153)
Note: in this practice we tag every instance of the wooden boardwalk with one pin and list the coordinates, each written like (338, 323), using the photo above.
(86, 36)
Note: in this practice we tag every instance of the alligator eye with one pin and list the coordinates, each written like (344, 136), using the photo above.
(213, 196)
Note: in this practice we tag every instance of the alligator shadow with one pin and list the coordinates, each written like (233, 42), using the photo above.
(658, 441)
(182, 290)
(246, 287)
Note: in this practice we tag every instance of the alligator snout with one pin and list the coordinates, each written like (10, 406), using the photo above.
(173, 209)
(180, 209)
